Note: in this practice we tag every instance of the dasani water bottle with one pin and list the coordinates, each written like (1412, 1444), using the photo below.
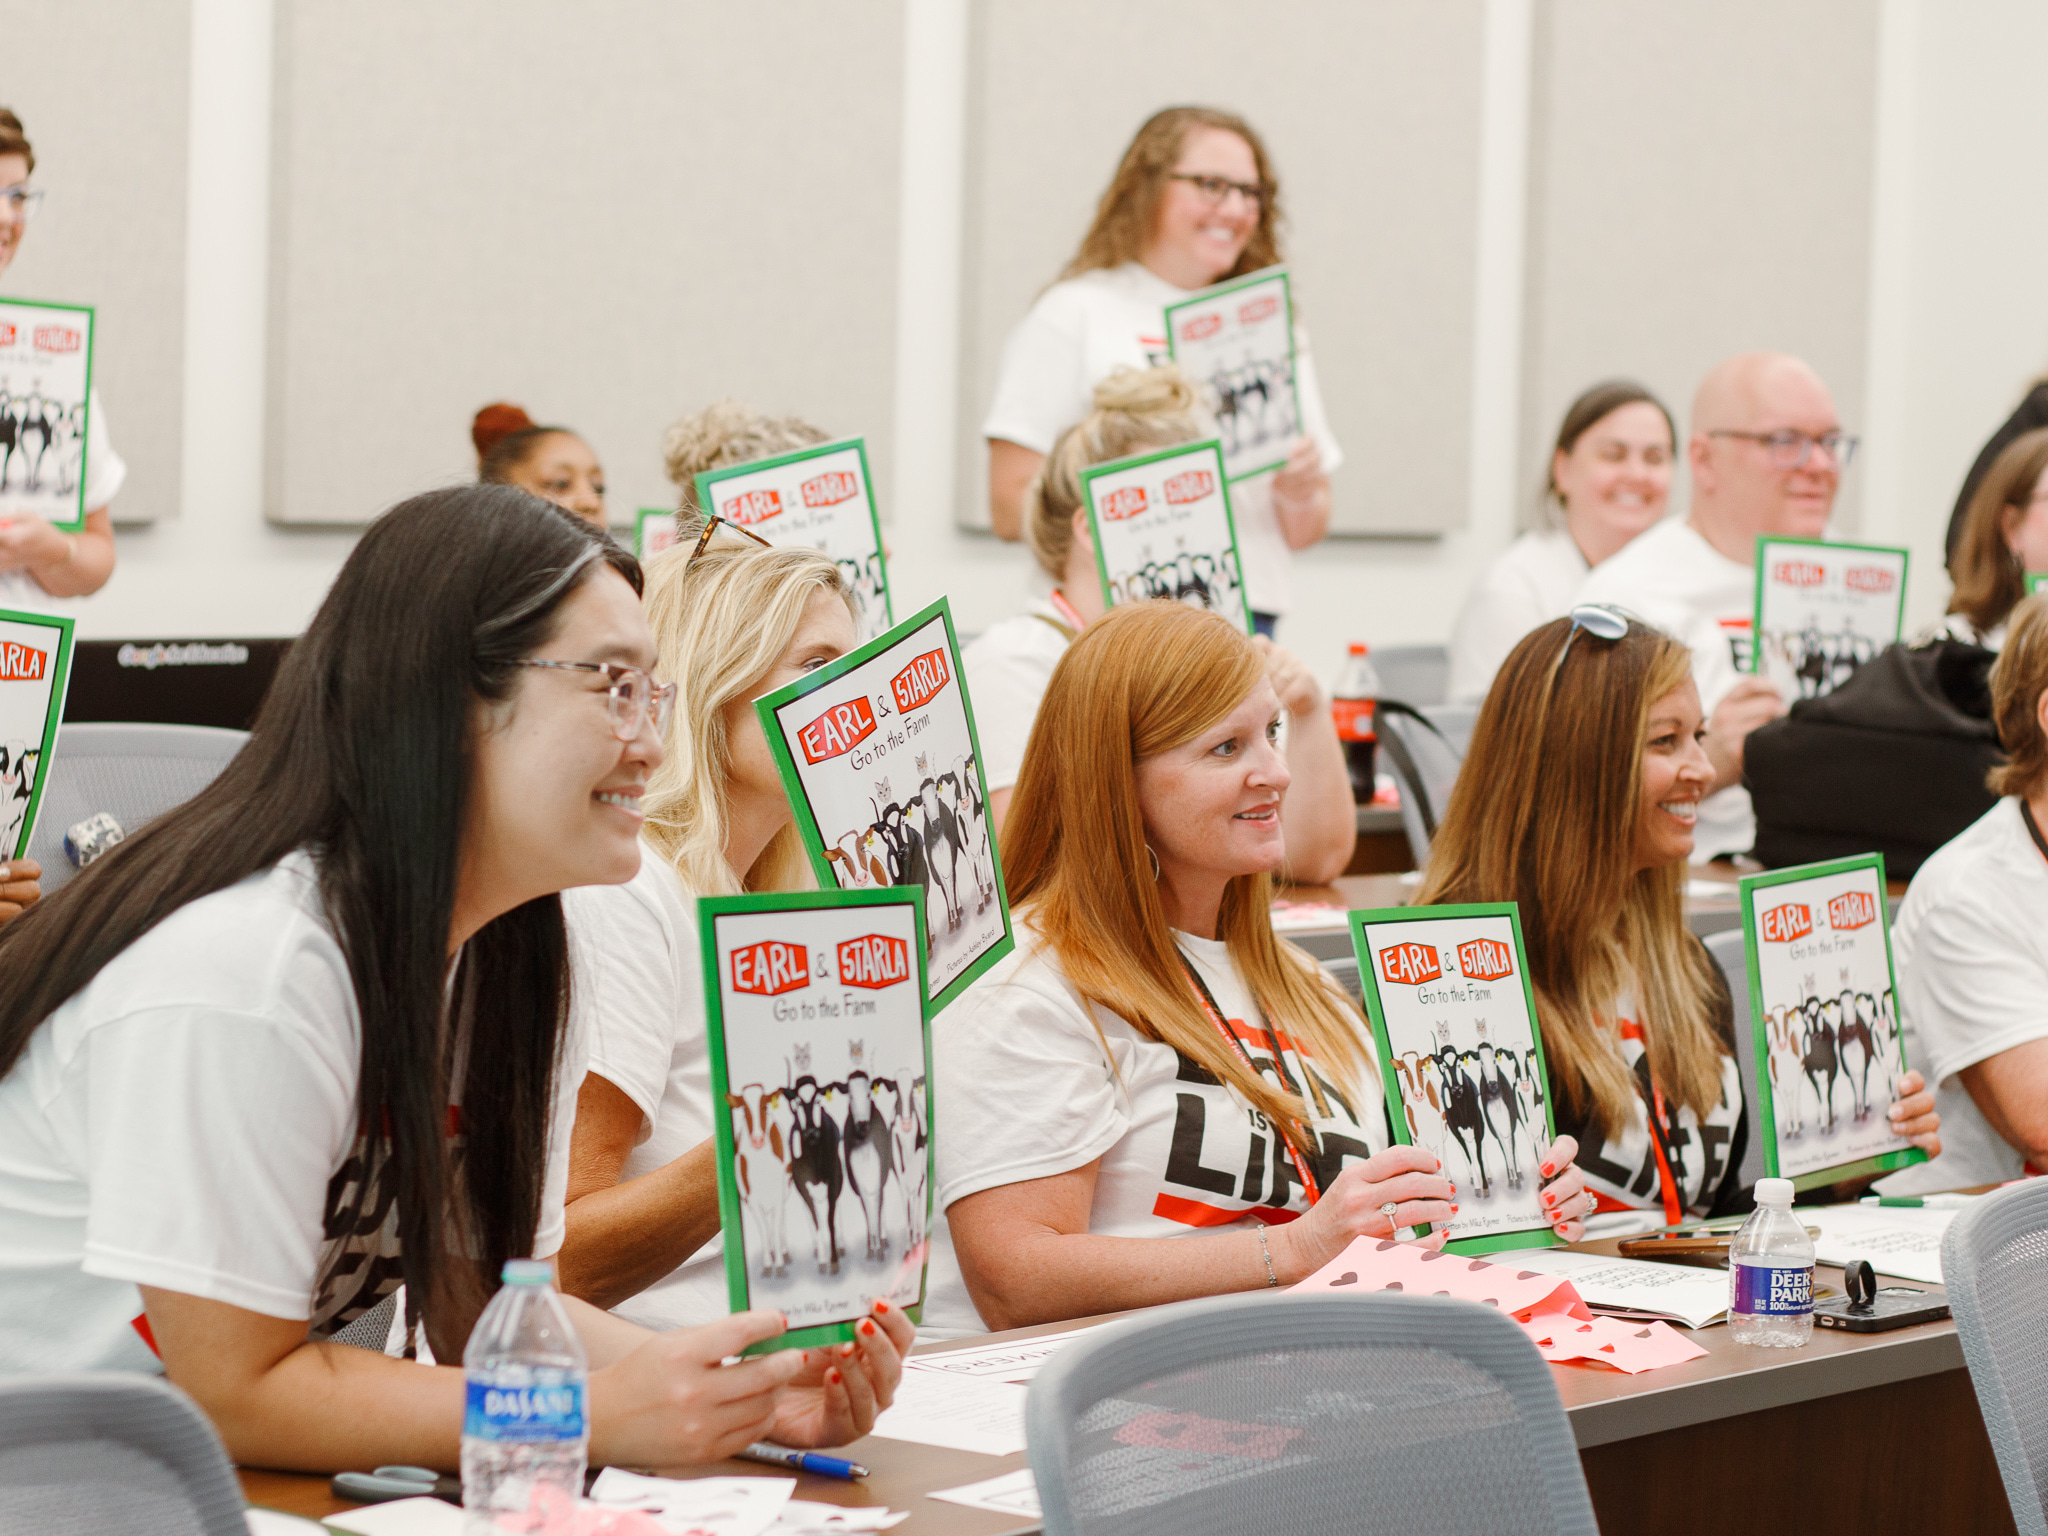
(526, 1425)
(1770, 1273)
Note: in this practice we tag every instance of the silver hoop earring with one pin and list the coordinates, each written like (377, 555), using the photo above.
(1155, 860)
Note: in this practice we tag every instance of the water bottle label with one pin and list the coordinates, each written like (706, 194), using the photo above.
(1773, 1290)
(1353, 718)
(553, 1411)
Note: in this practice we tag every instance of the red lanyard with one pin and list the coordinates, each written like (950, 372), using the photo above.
(1301, 1169)
(1068, 611)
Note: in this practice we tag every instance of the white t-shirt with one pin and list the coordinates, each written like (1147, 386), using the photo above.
(647, 1039)
(188, 1121)
(1532, 582)
(1009, 667)
(1078, 333)
(1971, 948)
(1626, 1170)
(1025, 1092)
(1676, 580)
(105, 473)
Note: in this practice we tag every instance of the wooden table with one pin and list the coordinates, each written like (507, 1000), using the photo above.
(1858, 1434)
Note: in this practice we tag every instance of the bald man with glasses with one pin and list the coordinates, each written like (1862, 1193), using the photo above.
(1767, 453)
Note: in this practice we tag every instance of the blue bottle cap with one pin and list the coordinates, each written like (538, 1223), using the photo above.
(528, 1272)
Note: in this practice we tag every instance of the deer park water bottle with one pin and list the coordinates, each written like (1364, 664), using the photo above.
(1770, 1273)
(526, 1423)
(1352, 705)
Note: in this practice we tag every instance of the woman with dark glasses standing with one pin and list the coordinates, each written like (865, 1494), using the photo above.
(1195, 201)
(1578, 801)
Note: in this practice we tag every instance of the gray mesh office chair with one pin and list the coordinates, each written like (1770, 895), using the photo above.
(133, 772)
(1414, 674)
(1432, 760)
(1994, 1262)
(1726, 948)
(86, 1455)
(1308, 1414)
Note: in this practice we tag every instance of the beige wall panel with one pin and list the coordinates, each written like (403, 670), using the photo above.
(1371, 113)
(608, 214)
(1701, 186)
(101, 89)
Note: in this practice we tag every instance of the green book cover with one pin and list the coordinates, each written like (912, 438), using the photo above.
(821, 1063)
(879, 755)
(1823, 1007)
(1461, 1057)
(1162, 527)
(45, 410)
(1823, 609)
(820, 497)
(1236, 340)
(35, 670)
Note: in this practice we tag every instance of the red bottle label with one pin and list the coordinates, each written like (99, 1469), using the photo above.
(1354, 719)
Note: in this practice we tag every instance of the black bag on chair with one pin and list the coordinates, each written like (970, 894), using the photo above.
(1893, 761)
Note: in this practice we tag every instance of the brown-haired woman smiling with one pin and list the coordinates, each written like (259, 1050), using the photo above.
(1577, 802)
(1194, 201)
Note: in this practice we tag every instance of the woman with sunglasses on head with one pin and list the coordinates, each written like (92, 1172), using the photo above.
(1162, 1098)
(1582, 784)
(1194, 201)
(732, 619)
(314, 1033)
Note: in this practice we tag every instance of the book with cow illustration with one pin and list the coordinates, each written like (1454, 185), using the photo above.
(1236, 341)
(821, 497)
(1162, 527)
(35, 669)
(654, 529)
(45, 398)
(1822, 610)
(1461, 1059)
(821, 1060)
(1823, 1003)
(879, 755)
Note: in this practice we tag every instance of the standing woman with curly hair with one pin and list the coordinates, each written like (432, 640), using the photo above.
(1195, 201)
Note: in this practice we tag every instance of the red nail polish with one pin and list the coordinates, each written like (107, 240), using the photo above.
(1454, 1210)
(1549, 1169)
(868, 1329)
(881, 1307)
(833, 1377)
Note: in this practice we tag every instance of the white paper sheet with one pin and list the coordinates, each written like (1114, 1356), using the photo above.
(400, 1517)
(962, 1413)
(712, 1506)
(1897, 1241)
(1676, 1292)
(1017, 1361)
(1014, 1493)
(271, 1522)
(802, 1517)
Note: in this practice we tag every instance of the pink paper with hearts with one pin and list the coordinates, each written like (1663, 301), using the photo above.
(1375, 1264)
(1627, 1346)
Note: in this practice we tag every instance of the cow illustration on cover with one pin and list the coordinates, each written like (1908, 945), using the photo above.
(819, 1055)
(1462, 1058)
(1163, 528)
(1823, 610)
(1824, 1008)
(879, 754)
(1237, 341)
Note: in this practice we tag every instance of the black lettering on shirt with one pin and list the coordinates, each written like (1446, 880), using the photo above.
(1184, 1162)
(1254, 1172)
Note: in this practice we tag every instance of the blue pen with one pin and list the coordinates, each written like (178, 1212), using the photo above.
(804, 1461)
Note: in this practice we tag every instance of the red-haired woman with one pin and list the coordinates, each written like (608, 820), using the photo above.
(1166, 1101)
(552, 462)
(1195, 201)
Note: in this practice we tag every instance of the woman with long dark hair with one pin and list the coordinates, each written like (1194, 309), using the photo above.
(310, 1035)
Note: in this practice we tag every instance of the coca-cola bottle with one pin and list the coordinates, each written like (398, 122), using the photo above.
(1352, 703)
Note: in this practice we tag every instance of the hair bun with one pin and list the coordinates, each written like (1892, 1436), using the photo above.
(1161, 391)
(494, 423)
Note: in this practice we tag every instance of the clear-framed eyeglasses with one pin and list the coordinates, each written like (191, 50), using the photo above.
(634, 695)
(1789, 448)
(21, 202)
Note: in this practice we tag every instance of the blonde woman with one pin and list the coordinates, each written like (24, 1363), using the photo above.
(2004, 536)
(1011, 663)
(729, 625)
(1166, 1100)
(1583, 814)
(1194, 201)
